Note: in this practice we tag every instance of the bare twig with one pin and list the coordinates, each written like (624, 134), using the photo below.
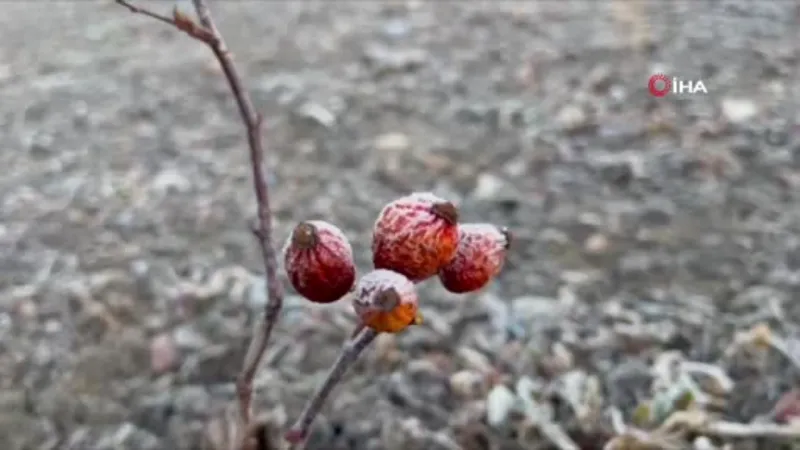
(179, 21)
(207, 32)
(352, 349)
(153, 15)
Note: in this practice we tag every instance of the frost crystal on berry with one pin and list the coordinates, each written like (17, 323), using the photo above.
(415, 235)
(386, 301)
(480, 256)
(318, 260)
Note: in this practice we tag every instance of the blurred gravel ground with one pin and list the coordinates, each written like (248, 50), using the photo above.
(657, 238)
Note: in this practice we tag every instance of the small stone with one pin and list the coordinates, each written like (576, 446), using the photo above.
(80, 113)
(190, 400)
(639, 265)
(601, 78)
(498, 311)
(499, 404)
(5, 72)
(532, 311)
(703, 443)
(559, 361)
(285, 89)
(514, 114)
(487, 186)
(187, 337)
(41, 144)
(163, 354)
(591, 220)
(316, 114)
(739, 110)
(388, 60)
(36, 112)
(474, 360)
(517, 167)
(152, 412)
(576, 277)
(554, 238)
(473, 113)
(597, 244)
(171, 181)
(619, 168)
(572, 118)
(257, 293)
(467, 383)
(396, 28)
(393, 142)
(386, 350)
(657, 215)
(26, 309)
(53, 326)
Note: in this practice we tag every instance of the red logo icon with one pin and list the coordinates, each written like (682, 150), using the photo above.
(659, 85)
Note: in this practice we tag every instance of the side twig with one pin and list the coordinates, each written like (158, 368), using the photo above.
(348, 355)
(207, 32)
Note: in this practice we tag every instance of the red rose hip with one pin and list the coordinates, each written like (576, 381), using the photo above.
(386, 301)
(319, 261)
(480, 257)
(415, 235)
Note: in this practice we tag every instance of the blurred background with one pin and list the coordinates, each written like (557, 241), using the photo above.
(654, 271)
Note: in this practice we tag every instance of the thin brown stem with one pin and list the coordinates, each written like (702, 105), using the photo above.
(207, 32)
(153, 15)
(348, 355)
(178, 20)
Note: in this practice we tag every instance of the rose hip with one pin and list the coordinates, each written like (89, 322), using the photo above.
(319, 261)
(386, 301)
(415, 235)
(479, 258)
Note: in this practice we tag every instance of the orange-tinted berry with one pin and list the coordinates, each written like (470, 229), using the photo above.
(480, 256)
(319, 261)
(415, 236)
(386, 301)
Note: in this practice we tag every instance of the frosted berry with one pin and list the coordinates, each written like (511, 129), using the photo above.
(319, 261)
(480, 257)
(415, 235)
(386, 301)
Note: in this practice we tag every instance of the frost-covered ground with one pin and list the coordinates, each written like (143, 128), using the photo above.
(643, 225)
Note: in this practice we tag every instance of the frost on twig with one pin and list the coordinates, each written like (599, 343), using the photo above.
(351, 351)
(205, 31)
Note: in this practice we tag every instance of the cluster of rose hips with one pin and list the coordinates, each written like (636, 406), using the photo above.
(415, 238)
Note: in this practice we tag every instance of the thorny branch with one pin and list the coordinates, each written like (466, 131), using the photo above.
(207, 32)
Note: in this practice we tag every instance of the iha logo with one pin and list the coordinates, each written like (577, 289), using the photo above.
(660, 85)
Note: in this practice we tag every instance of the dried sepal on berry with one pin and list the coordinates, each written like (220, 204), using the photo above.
(480, 256)
(386, 301)
(318, 260)
(415, 235)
